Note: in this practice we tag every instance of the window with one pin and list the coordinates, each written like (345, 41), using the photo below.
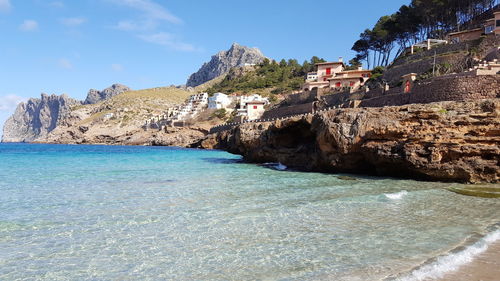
(254, 107)
(338, 85)
(498, 23)
(489, 29)
(351, 84)
(328, 71)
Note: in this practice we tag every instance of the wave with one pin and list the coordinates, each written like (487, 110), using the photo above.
(276, 166)
(453, 260)
(397, 195)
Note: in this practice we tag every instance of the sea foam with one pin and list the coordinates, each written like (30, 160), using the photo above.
(276, 166)
(397, 195)
(452, 261)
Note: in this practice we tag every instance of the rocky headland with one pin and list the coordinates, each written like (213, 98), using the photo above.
(37, 117)
(444, 141)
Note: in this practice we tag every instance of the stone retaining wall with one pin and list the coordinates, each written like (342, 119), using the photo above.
(457, 61)
(288, 110)
(449, 88)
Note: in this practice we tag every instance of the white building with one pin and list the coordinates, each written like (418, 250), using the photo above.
(190, 109)
(218, 101)
(312, 77)
(251, 107)
(246, 99)
(255, 109)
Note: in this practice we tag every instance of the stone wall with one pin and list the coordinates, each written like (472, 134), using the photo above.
(455, 55)
(288, 111)
(438, 50)
(447, 88)
(457, 61)
(341, 98)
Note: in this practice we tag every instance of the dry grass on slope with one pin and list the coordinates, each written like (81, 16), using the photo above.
(136, 106)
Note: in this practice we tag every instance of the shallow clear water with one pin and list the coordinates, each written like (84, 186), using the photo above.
(146, 213)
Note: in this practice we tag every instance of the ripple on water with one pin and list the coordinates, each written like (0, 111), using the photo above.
(118, 213)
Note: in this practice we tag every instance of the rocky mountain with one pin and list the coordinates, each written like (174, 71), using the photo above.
(37, 117)
(223, 61)
(95, 96)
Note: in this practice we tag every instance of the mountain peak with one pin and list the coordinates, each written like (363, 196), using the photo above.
(223, 61)
(95, 96)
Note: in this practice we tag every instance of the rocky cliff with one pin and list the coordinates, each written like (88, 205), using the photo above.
(37, 117)
(445, 141)
(223, 61)
(95, 96)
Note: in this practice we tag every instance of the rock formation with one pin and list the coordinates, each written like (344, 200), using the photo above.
(37, 117)
(223, 61)
(445, 141)
(95, 96)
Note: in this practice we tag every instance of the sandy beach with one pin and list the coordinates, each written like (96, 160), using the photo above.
(485, 267)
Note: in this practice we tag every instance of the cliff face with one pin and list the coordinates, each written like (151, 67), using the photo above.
(446, 141)
(95, 96)
(37, 117)
(223, 61)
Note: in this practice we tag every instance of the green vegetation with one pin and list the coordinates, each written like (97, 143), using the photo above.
(416, 22)
(268, 77)
(377, 73)
(220, 113)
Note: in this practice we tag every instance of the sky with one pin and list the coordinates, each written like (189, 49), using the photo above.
(71, 46)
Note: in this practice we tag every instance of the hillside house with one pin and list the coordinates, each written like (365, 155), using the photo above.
(190, 109)
(325, 71)
(246, 99)
(489, 26)
(353, 79)
(255, 110)
(219, 101)
(333, 76)
(251, 107)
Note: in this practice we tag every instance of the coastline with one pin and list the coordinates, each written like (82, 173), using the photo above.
(479, 260)
(485, 267)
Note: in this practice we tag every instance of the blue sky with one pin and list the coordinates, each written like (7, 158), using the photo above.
(70, 46)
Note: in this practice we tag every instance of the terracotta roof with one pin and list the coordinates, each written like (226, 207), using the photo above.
(345, 78)
(465, 31)
(256, 102)
(355, 71)
(335, 62)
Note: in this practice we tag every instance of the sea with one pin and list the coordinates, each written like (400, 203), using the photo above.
(83, 212)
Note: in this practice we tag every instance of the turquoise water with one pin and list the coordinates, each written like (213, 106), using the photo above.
(152, 213)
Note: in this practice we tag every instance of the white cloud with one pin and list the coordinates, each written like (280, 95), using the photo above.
(168, 40)
(117, 67)
(148, 25)
(5, 5)
(57, 4)
(10, 102)
(65, 63)
(128, 25)
(150, 9)
(29, 25)
(73, 21)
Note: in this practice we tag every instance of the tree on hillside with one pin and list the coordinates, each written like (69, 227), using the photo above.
(419, 20)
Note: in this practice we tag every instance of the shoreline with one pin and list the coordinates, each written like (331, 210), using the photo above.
(479, 261)
(485, 267)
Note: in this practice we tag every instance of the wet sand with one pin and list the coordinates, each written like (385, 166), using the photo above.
(485, 267)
